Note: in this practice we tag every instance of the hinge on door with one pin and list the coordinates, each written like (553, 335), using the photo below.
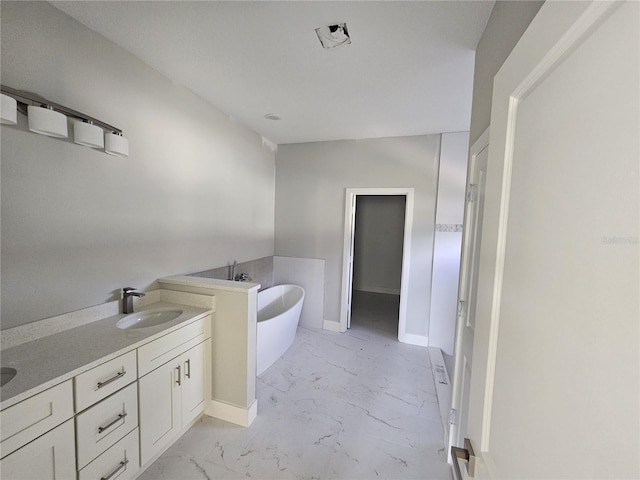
(471, 193)
(453, 417)
(462, 308)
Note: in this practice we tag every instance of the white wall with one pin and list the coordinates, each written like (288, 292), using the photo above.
(77, 225)
(379, 235)
(310, 194)
(448, 240)
(505, 26)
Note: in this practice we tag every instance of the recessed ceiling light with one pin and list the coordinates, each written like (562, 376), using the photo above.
(272, 116)
(333, 36)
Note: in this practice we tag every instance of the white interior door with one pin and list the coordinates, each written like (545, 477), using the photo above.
(555, 369)
(468, 290)
(351, 212)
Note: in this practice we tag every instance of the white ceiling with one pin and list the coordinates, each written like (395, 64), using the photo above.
(408, 70)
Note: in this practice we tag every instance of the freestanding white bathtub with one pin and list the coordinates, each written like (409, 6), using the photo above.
(279, 310)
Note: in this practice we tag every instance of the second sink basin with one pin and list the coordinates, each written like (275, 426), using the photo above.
(148, 318)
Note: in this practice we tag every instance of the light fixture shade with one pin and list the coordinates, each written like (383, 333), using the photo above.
(8, 110)
(47, 122)
(87, 134)
(115, 144)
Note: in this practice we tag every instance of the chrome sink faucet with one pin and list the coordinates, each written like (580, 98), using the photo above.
(127, 299)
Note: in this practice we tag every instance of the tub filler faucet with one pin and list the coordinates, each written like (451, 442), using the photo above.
(232, 275)
(238, 277)
(127, 299)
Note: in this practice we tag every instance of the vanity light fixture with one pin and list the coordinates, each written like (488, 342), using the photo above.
(46, 121)
(116, 144)
(8, 110)
(49, 118)
(87, 134)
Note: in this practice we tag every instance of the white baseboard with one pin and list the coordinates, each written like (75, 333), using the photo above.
(412, 339)
(331, 326)
(388, 291)
(232, 413)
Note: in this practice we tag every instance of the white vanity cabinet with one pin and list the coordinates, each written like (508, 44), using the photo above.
(173, 385)
(111, 419)
(171, 397)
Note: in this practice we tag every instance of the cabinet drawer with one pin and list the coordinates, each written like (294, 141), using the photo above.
(160, 351)
(121, 461)
(103, 380)
(102, 425)
(34, 416)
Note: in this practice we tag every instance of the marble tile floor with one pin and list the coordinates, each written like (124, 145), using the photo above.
(357, 405)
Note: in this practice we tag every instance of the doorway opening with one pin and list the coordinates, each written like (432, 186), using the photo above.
(377, 262)
(377, 246)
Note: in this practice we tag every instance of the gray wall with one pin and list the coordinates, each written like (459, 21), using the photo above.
(508, 21)
(77, 224)
(309, 274)
(377, 262)
(311, 180)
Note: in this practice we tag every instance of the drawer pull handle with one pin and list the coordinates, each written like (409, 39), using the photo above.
(122, 465)
(188, 372)
(178, 376)
(112, 379)
(113, 422)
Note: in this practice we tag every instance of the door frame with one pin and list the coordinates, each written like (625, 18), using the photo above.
(347, 256)
(466, 263)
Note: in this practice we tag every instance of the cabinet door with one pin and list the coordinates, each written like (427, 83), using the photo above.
(51, 456)
(160, 408)
(193, 385)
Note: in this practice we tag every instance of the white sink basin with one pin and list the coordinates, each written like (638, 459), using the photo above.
(148, 318)
(7, 375)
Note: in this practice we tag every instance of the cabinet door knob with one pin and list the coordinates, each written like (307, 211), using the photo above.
(187, 373)
(178, 380)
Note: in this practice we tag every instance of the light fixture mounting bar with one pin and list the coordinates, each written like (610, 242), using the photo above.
(28, 98)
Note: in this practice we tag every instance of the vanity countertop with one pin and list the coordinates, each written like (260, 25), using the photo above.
(50, 360)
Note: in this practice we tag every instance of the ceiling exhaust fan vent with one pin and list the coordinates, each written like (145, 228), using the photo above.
(333, 36)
